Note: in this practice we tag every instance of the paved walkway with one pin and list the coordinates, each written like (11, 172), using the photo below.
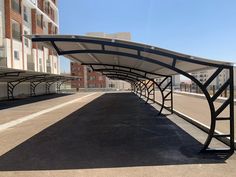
(111, 134)
(197, 108)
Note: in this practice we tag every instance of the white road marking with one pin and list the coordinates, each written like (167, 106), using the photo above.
(34, 115)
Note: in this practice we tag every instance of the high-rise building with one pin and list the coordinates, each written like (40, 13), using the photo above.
(91, 79)
(22, 17)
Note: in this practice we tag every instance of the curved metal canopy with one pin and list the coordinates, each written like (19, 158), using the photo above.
(94, 50)
(134, 61)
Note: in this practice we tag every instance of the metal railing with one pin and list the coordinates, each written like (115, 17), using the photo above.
(49, 69)
(30, 66)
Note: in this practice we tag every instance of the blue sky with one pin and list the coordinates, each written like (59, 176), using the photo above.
(204, 28)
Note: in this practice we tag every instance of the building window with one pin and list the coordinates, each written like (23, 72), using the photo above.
(48, 62)
(16, 55)
(25, 14)
(39, 20)
(26, 40)
(40, 65)
(92, 78)
(40, 61)
(47, 7)
(15, 5)
(16, 32)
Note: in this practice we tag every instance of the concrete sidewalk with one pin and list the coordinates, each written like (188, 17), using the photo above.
(198, 109)
(15, 109)
(112, 134)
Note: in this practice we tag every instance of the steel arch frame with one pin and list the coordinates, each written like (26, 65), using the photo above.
(61, 82)
(214, 113)
(11, 85)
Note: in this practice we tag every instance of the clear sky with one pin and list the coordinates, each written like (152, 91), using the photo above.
(204, 28)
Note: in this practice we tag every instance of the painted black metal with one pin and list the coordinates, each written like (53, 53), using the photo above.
(10, 74)
(213, 76)
(141, 77)
(114, 43)
(167, 97)
(34, 84)
(134, 70)
(12, 84)
(231, 108)
(172, 66)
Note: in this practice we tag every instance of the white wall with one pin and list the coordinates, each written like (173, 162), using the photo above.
(2, 23)
(17, 46)
(7, 47)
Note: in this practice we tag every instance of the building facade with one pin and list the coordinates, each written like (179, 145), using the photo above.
(204, 75)
(91, 79)
(22, 17)
(175, 81)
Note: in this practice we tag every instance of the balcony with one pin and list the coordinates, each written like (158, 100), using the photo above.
(3, 61)
(30, 66)
(49, 69)
(3, 58)
(15, 5)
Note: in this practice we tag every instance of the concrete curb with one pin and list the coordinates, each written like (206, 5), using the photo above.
(219, 99)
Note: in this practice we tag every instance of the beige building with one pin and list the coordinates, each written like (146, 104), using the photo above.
(203, 76)
(175, 81)
(121, 35)
(22, 17)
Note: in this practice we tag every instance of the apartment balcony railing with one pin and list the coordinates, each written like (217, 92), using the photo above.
(49, 69)
(3, 62)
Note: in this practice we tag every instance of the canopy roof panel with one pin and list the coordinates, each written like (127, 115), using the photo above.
(92, 51)
(15, 75)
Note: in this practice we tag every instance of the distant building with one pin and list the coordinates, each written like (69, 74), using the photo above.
(120, 35)
(175, 81)
(204, 75)
(91, 79)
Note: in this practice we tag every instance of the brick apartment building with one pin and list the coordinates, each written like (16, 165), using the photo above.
(88, 78)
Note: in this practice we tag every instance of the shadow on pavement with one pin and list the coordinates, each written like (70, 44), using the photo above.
(6, 104)
(114, 130)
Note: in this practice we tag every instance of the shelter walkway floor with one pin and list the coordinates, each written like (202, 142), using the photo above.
(114, 130)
